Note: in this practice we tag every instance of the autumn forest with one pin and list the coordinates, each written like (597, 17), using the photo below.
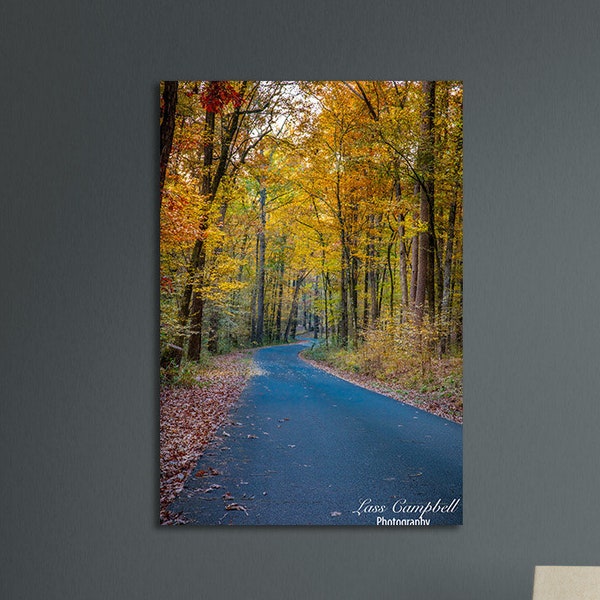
(335, 207)
(325, 211)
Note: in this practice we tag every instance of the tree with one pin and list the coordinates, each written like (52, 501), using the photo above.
(330, 206)
(167, 126)
(426, 204)
(215, 97)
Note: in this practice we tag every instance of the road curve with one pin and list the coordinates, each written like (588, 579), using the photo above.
(306, 448)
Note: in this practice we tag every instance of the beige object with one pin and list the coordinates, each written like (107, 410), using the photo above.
(566, 583)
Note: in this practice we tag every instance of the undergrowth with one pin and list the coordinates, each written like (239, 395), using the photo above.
(187, 373)
(406, 361)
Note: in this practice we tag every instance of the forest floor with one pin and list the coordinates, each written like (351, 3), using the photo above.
(189, 417)
(441, 402)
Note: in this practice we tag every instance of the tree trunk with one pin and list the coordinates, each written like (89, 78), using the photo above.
(167, 127)
(343, 324)
(379, 288)
(354, 299)
(316, 318)
(196, 312)
(414, 265)
(212, 343)
(213, 327)
(279, 303)
(371, 306)
(447, 275)
(253, 302)
(403, 271)
(391, 270)
(209, 189)
(293, 309)
(197, 309)
(423, 261)
(365, 323)
(373, 285)
(260, 276)
(294, 321)
(425, 163)
(326, 297)
(414, 262)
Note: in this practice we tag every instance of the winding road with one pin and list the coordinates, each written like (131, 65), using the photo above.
(306, 448)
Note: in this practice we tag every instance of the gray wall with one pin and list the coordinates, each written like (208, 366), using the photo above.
(78, 230)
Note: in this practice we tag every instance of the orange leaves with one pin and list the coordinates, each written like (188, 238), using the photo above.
(210, 473)
(180, 215)
(189, 419)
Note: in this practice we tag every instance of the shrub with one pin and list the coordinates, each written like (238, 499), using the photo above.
(403, 354)
(187, 374)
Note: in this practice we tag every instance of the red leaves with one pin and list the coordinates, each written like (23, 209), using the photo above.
(189, 419)
(166, 284)
(216, 95)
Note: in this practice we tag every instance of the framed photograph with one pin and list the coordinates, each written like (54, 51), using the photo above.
(311, 303)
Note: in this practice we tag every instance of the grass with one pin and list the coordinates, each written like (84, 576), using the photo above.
(188, 373)
(393, 367)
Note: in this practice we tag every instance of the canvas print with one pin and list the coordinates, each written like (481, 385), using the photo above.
(311, 283)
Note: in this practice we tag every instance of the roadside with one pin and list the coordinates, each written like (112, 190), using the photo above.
(189, 417)
(443, 402)
(303, 448)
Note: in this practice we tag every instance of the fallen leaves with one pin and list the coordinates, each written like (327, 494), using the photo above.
(236, 506)
(210, 473)
(212, 488)
(190, 418)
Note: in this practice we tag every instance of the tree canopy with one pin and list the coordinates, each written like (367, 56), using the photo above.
(333, 208)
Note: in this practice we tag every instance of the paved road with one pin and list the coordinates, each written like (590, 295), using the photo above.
(306, 448)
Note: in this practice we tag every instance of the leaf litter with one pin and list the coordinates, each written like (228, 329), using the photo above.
(436, 403)
(190, 418)
(236, 506)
